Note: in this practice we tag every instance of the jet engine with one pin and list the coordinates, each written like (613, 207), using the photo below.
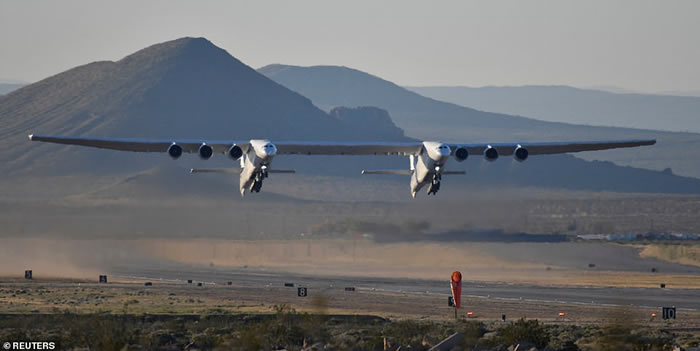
(175, 151)
(461, 154)
(520, 154)
(235, 152)
(205, 151)
(491, 154)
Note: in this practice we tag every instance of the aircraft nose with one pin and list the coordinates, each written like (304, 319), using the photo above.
(444, 150)
(269, 150)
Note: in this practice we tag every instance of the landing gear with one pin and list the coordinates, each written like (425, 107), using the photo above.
(258, 181)
(435, 184)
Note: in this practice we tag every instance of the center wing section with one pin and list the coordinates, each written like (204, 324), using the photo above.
(348, 148)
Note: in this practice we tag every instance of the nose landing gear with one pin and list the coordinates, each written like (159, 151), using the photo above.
(258, 181)
(435, 184)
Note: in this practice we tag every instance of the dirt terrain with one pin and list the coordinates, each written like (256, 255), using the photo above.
(132, 297)
(138, 232)
(172, 315)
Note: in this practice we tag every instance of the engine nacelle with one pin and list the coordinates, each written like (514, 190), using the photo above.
(205, 151)
(175, 151)
(520, 154)
(235, 152)
(461, 154)
(491, 154)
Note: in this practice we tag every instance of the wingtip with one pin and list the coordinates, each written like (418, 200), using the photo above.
(191, 170)
(31, 137)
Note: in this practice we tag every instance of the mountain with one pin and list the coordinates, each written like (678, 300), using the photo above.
(9, 87)
(331, 86)
(578, 106)
(429, 119)
(374, 123)
(185, 88)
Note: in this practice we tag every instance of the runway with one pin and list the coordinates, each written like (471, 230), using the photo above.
(683, 299)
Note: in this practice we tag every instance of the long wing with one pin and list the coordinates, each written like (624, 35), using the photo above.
(548, 148)
(337, 148)
(140, 145)
(284, 148)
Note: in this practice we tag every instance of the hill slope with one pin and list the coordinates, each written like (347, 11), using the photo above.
(186, 88)
(9, 87)
(580, 106)
(429, 119)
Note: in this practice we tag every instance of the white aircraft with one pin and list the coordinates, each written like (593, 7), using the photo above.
(427, 159)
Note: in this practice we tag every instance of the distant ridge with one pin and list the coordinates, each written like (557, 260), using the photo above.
(427, 118)
(580, 106)
(331, 86)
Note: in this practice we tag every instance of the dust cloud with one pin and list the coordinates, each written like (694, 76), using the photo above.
(48, 258)
(79, 258)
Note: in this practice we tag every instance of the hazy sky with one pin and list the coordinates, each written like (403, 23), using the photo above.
(635, 44)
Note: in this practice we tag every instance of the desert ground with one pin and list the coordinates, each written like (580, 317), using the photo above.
(396, 254)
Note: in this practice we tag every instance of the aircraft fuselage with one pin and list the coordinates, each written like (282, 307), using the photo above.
(429, 166)
(255, 164)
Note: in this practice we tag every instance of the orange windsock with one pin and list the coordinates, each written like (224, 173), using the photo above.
(456, 285)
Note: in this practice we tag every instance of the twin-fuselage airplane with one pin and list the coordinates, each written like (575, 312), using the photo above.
(427, 159)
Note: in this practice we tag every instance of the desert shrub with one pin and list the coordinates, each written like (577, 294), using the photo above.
(98, 332)
(531, 331)
(286, 328)
(621, 331)
(206, 341)
(473, 331)
(564, 337)
(623, 338)
(250, 338)
(409, 332)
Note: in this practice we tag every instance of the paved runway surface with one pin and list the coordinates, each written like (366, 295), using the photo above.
(683, 299)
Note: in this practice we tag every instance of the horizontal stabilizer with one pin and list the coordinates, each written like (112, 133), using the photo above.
(281, 171)
(388, 171)
(454, 172)
(216, 170)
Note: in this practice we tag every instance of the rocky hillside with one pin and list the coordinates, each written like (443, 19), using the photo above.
(185, 88)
